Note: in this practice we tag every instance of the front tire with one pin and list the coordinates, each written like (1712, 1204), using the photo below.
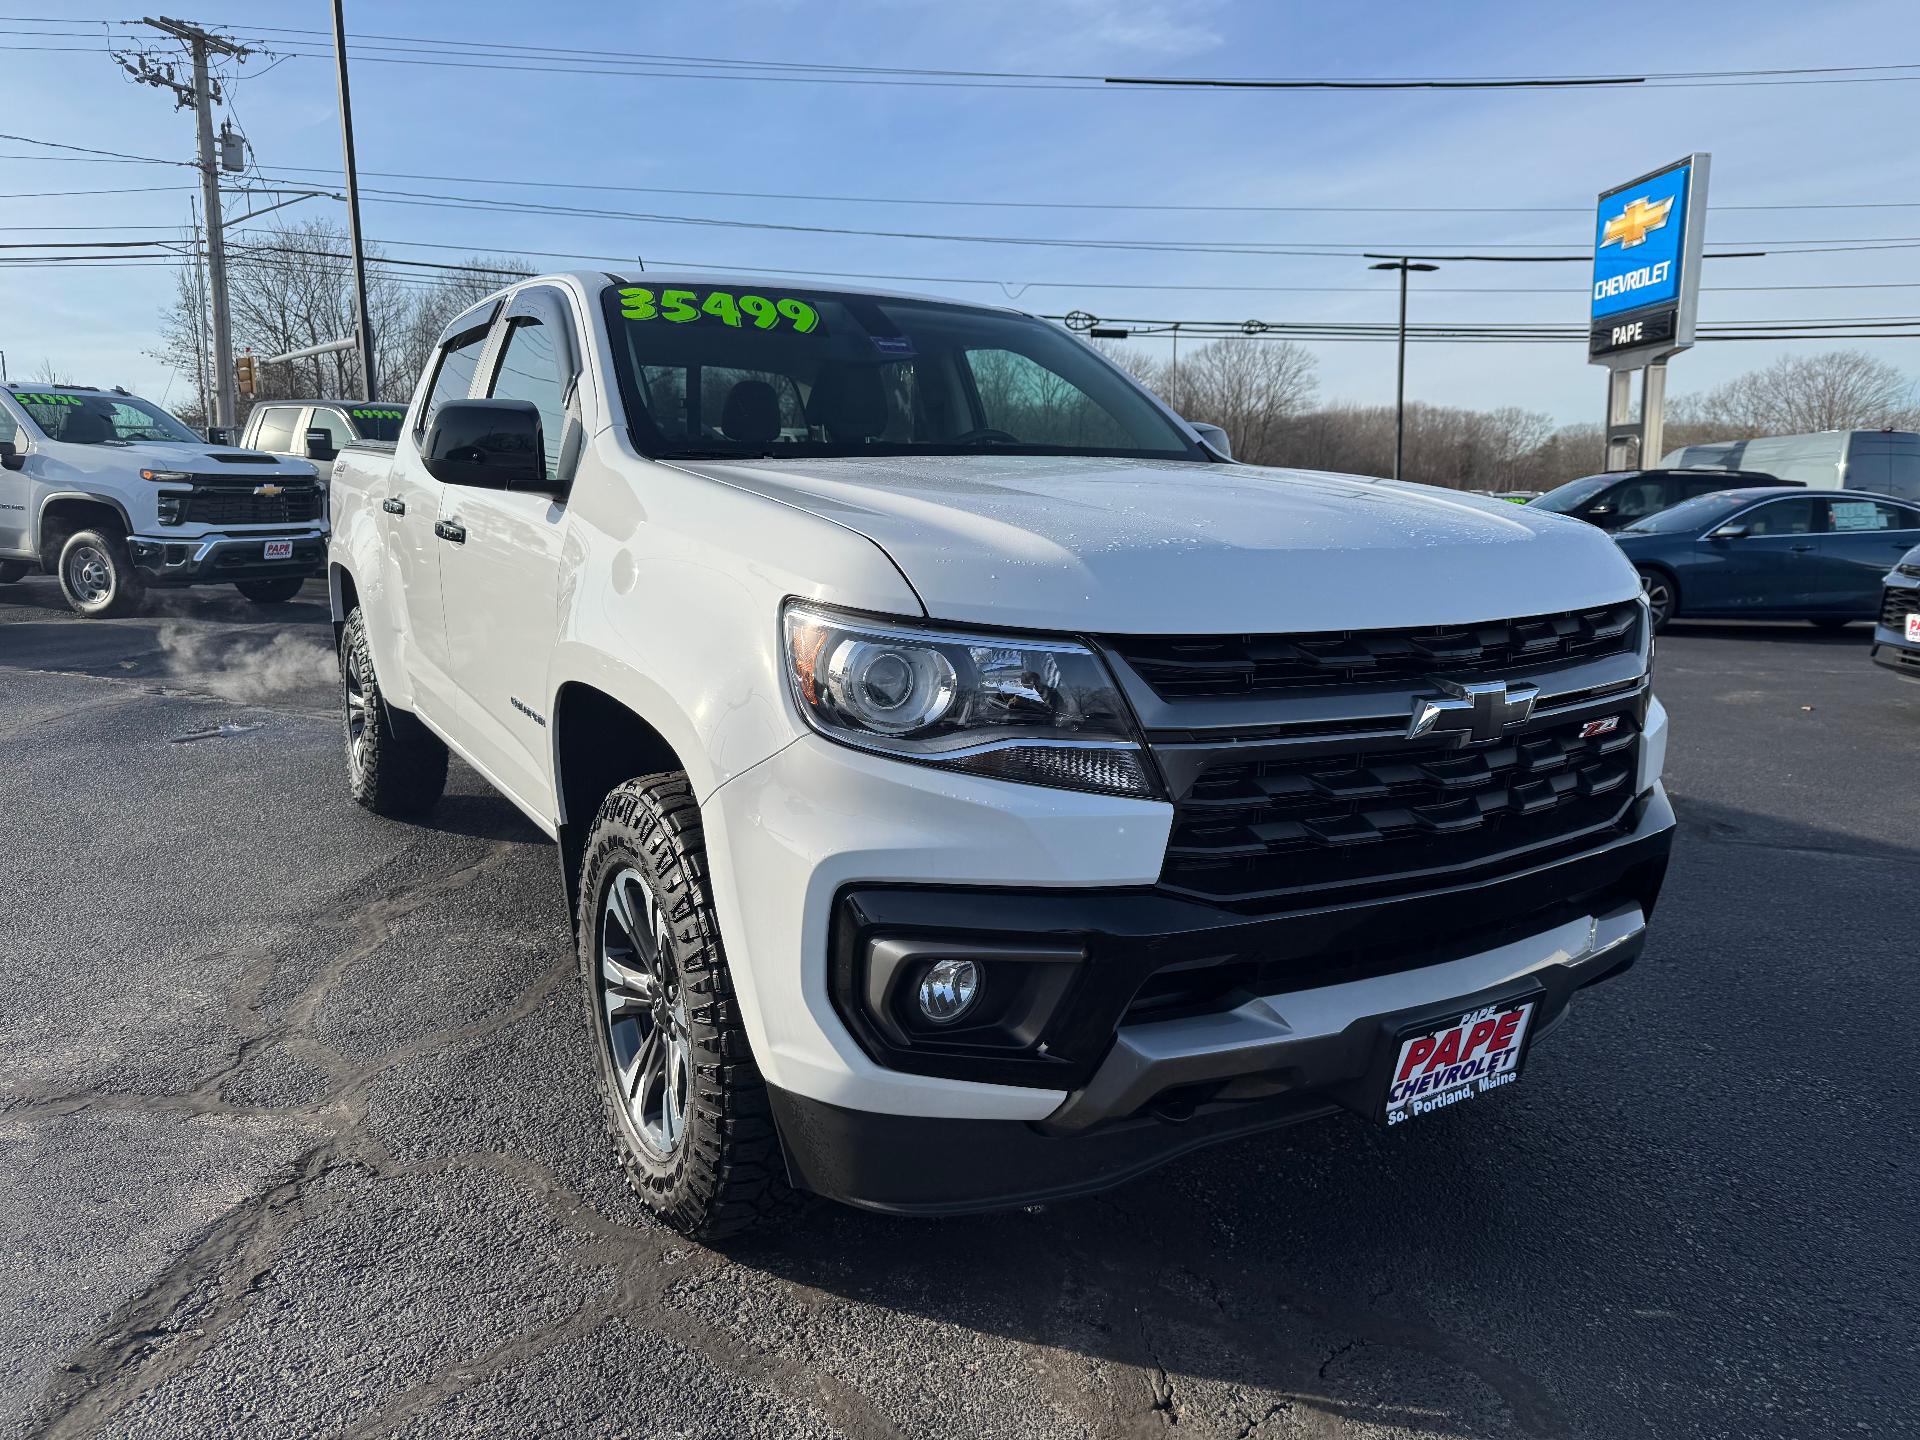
(1663, 596)
(684, 1100)
(270, 592)
(97, 575)
(395, 765)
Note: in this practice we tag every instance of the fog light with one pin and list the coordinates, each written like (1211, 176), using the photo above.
(949, 990)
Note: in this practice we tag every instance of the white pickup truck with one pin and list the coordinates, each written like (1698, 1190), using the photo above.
(972, 788)
(113, 495)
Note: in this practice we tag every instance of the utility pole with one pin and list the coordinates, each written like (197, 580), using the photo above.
(200, 319)
(199, 94)
(1400, 375)
(363, 321)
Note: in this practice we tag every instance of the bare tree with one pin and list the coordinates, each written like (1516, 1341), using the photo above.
(1255, 390)
(50, 373)
(1837, 390)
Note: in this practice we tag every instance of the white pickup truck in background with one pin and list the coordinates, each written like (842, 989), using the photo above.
(115, 496)
(318, 430)
(972, 788)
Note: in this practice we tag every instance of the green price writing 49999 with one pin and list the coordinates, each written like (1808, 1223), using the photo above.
(685, 306)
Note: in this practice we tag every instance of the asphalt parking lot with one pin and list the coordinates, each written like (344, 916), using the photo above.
(298, 1133)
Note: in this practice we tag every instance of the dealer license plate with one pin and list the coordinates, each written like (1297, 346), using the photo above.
(1913, 628)
(279, 550)
(1457, 1060)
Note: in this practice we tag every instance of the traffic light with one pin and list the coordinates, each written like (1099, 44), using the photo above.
(244, 373)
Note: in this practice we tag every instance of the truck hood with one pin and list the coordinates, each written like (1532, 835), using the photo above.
(1140, 547)
(197, 458)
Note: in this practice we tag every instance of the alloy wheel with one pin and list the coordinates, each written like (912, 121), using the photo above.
(358, 712)
(90, 574)
(1659, 599)
(644, 1016)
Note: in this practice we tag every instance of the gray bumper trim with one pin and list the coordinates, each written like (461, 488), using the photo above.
(1325, 1039)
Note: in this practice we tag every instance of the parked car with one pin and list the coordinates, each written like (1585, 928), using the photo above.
(1618, 498)
(318, 430)
(1771, 552)
(972, 788)
(1885, 462)
(1896, 635)
(113, 495)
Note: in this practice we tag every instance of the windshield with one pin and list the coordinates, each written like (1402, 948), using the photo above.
(377, 422)
(1569, 497)
(79, 418)
(777, 373)
(1695, 514)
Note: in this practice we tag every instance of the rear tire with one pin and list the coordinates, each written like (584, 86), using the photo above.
(97, 575)
(1663, 596)
(13, 570)
(395, 765)
(270, 592)
(688, 1111)
(1829, 623)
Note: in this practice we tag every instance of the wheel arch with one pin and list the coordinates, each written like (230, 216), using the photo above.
(342, 597)
(65, 511)
(599, 741)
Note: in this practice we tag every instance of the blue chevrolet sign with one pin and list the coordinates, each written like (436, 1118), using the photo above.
(1639, 243)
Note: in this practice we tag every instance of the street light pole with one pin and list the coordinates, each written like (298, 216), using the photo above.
(1400, 374)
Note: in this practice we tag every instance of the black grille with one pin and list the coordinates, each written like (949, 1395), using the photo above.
(1196, 666)
(1896, 605)
(1387, 812)
(239, 505)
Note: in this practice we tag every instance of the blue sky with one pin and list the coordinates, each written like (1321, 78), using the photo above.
(1460, 152)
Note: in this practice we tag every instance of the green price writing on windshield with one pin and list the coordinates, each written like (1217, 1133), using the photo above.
(378, 414)
(684, 306)
(29, 398)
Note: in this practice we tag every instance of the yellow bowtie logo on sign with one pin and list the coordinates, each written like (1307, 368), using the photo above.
(1633, 224)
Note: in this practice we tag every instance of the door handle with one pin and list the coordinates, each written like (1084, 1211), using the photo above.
(1800, 549)
(393, 506)
(451, 530)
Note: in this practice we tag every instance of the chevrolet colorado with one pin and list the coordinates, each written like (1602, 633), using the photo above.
(113, 495)
(971, 787)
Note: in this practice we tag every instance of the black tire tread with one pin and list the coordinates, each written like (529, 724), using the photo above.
(406, 763)
(13, 570)
(129, 589)
(270, 592)
(728, 1174)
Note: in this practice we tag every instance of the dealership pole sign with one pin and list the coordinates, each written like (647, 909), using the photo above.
(1646, 265)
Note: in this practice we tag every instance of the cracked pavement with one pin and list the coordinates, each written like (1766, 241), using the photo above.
(298, 1133)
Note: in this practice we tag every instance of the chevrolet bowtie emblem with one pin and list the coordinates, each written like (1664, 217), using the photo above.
(269, 490)
(1480, 714)
(1633, 224)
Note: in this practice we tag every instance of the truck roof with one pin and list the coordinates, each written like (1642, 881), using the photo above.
(593, 280)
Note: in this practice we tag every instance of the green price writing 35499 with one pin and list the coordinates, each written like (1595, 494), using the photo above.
(683, 307)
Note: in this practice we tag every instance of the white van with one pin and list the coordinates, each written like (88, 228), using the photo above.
(1886, 462)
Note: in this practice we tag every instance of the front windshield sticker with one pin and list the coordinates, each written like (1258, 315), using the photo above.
(366, 414)
(31, 398)
(685, 306)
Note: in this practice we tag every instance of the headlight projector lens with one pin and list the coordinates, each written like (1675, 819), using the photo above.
(950, 989)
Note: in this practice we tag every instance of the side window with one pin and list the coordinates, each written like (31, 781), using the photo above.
(1782, 517)
(1023, 398)
(454, 379)
(1638, 499)
(1848, 516)
(330, 421)
(530, 370)
(9, 431)
(276, 429)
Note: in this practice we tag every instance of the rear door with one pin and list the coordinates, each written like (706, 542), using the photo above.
(415, 551)
(1861, 541)
(1773, 568)
(500, 583)
(14, 487)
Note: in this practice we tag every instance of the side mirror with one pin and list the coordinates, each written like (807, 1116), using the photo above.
(1603, 508)
(1214, 436)
(1727, 532)
(219, 435)
(320, 444)
(488, 445)
(10, 456)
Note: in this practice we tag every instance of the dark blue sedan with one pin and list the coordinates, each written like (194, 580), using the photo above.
(1771, 553)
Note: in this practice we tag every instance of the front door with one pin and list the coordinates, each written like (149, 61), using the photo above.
(1771, 568)
(15, 525)
(500, 582)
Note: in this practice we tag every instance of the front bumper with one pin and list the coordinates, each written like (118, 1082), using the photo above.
(1304, 1045)
(221, 557)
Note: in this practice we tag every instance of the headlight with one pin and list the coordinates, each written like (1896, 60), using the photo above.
(1045, 712)
(163, 475)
